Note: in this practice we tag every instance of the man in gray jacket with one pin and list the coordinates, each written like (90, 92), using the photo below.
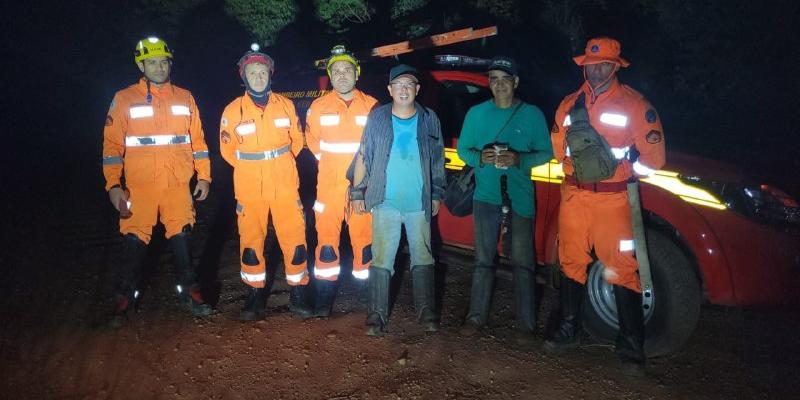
(398, 176)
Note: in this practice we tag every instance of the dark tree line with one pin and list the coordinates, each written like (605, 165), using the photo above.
(721, 72)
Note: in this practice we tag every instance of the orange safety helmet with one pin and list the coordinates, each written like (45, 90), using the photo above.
(602, 49)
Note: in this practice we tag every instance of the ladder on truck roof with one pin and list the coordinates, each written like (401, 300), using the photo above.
(438, 40)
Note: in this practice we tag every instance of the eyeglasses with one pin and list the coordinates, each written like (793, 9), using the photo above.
(498, 79)
(404, 85)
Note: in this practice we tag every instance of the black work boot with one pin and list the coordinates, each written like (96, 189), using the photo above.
(300, 301)
(256, 304)
(479, 301)
(378, 301)
(569, 330)
(188, 289)
(630, 339)
(126, 274)
(326, 293)
(424, 291)
(524, 303)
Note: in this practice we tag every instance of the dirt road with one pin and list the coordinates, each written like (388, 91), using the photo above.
(54, 344)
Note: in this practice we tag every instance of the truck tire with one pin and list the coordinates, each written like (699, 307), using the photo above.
(670, 315)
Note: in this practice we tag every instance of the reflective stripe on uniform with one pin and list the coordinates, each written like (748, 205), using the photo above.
(263, 155)
(567, 121)
(364, 274)
(296, 278)
(327, 272)
(254, 277)
(181, 110)
(239, 208)
(282, 122)
(642, 169)
(141, 111)
(361, 120)
(112, 160)
(614, 119)
(329, 120)
(341, 148)
(626, 245)
(157, 140)
(199, 155)
(246, 129)
(318, 156)
(620, 152)
(319, 207)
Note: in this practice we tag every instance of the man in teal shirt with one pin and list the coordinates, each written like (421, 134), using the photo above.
(503, 138)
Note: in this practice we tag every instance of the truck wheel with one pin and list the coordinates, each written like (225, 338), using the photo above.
(672, 312)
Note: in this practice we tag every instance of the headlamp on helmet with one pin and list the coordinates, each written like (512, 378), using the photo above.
(340, 53)
(255, 56)
(151, 47)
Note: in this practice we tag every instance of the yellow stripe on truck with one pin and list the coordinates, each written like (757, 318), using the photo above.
(552, 172)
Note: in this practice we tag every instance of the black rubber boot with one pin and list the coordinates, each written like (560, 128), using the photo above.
(256, 304)
(569, 330)
(378, 301)
(424, 291)
(525, 306)
(300, 302)
(630, 340)
(126, 274)
(189, 293)
(479, 301)
(326, 294)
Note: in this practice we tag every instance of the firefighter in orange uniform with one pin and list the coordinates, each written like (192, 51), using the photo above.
(597, 215)
(153, 137)
(334, 124)
(260, 137)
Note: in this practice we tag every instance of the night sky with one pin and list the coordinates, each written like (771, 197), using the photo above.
(721, 73)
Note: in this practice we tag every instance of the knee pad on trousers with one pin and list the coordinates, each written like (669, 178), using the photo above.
(300, 255)
(366, 254)
(249, 257)
(327, 254)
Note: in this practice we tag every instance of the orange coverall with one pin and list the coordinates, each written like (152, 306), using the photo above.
(333, 134)
(261, 145)
(158, 146)
(602, 219)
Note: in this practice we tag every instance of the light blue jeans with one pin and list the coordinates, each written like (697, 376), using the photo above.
(387, 222)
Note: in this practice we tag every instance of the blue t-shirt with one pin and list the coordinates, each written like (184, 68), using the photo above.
(404, 170)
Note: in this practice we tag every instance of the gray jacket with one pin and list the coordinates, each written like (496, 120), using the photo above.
(376, 144)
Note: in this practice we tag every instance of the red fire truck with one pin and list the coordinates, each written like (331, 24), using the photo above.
(713, 234)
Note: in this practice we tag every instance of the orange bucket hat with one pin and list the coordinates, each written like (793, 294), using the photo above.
(600, 50)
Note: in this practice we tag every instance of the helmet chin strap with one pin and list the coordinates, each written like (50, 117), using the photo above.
(147, 81)
(610, 77)
(259, 97)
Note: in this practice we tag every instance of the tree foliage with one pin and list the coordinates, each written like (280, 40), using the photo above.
(263, 18)
(505, 10)
(339, 14)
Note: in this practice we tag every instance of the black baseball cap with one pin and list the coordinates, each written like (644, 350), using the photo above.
(403, 69)
(505, 64)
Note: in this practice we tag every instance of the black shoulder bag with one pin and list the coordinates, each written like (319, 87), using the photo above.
(461, 184)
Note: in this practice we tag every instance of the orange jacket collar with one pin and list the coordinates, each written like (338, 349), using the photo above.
(586, 88)
(166, 87)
